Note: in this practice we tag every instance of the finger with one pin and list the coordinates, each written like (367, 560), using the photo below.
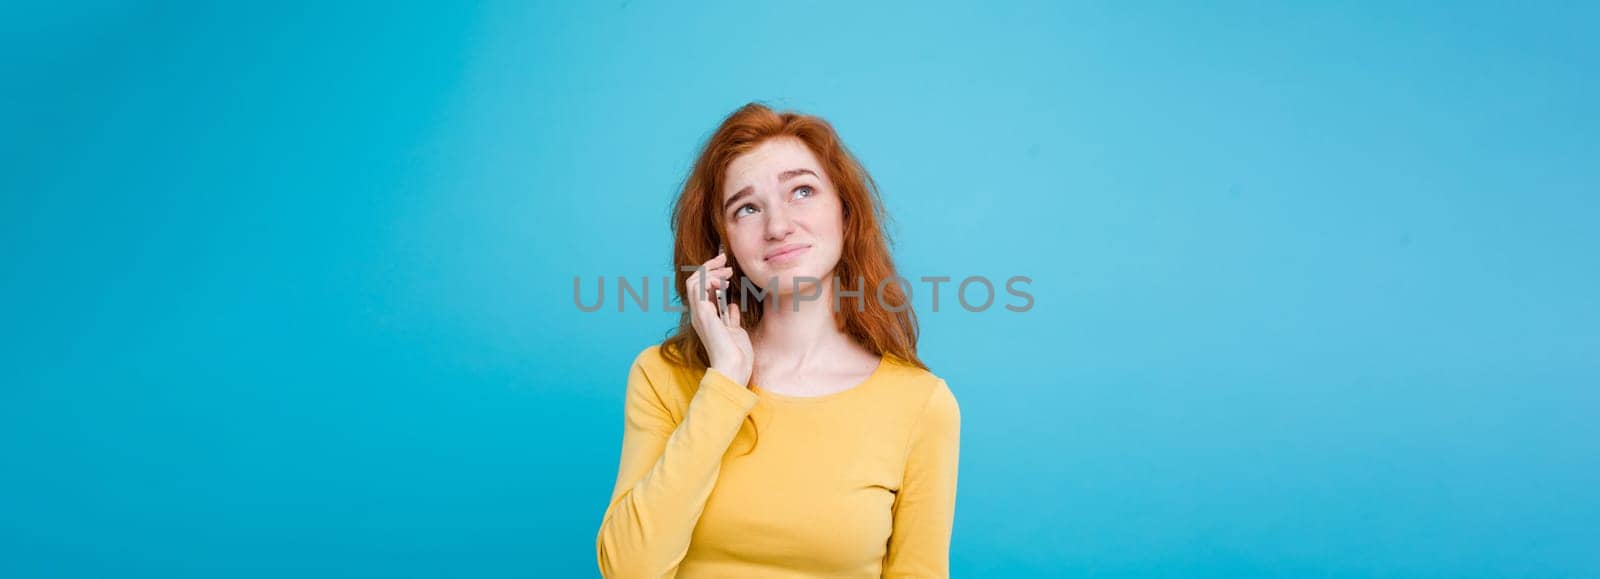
(696, 290)
(709, 275)
(717, 261)
(708, 272)
(708, 295)
(733, 315)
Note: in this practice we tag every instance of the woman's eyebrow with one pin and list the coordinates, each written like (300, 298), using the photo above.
(784, 176)
(745, 192)
(792, 173)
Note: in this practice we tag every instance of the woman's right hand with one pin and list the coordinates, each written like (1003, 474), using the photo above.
(726, 342)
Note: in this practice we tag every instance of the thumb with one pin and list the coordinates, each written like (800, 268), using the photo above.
(733, 315)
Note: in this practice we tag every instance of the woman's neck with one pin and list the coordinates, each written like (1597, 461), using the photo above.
(796, 333)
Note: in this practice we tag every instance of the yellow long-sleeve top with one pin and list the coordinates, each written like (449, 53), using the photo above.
(720, 480)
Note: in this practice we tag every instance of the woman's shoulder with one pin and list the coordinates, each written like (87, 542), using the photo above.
(923, 401)
(669, 380)
(651, 357)
(658, 358)
(918, 382)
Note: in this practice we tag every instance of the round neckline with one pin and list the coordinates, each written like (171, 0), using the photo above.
(883, 365)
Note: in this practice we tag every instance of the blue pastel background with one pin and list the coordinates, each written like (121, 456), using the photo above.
(286, 290)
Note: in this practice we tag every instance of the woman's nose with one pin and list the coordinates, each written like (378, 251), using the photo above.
(778, 223)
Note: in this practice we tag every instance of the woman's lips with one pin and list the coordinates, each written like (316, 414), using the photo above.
(788, 255)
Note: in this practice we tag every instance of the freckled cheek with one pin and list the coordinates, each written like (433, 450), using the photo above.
(824, 220)
(819, 216)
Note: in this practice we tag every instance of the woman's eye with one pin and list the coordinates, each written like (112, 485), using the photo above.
(807, 189)
(740, 212)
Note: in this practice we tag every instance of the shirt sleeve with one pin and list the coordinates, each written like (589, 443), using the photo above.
(667, 471)
(924, 508)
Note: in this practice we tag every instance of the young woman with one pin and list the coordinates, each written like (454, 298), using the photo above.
(797, 434)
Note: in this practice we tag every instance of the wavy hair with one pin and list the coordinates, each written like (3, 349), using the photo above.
(697, 224)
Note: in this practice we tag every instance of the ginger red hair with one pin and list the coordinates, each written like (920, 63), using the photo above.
(697, 224)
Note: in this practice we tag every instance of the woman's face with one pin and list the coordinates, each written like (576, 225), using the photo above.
(784, 218)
